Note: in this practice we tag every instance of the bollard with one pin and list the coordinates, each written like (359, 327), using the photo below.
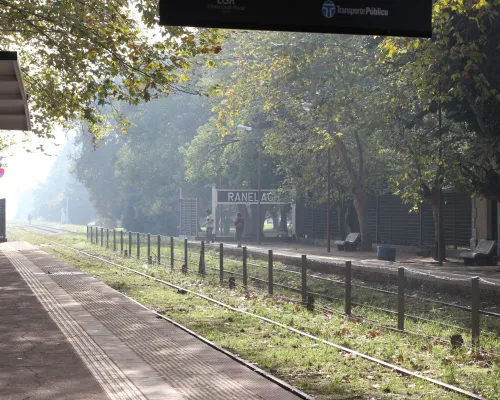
(107, 238)
(310, 302)
(171, 252)
(91, 235)
(401, 298)
(138, 237)
(149, 248)
(114, 239)
(129, 244)
(245, 270)
(476, 303)
(158, 245)
(221, 262)
(201, 265)
(102, 237)
(121, 241)
(270, 272)
(348, 288)
(186, 254)
(304, 279)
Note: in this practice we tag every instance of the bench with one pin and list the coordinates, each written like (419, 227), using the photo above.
(350, 243)
(483, 254)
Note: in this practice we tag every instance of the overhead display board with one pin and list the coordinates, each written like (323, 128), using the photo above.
(368, 17)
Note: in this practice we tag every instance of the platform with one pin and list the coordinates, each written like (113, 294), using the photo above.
(67, 335)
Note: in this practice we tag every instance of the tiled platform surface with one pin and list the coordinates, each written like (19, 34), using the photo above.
(66, 335)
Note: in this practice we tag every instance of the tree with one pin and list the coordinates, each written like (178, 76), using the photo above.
(81, 57)
(316, 85)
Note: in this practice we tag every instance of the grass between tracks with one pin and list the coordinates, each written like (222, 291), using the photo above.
(318, 369)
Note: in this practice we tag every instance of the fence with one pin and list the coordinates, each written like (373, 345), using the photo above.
(210, 261)
(390, 221)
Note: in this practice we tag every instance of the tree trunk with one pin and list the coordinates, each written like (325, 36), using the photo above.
(361, 205)
(437, 217)
(275, 218)
(358, 192)
(284, 219)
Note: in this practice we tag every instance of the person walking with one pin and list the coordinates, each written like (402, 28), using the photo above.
(239, 223)
(210, 227)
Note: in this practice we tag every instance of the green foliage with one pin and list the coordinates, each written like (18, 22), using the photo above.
(81, 57)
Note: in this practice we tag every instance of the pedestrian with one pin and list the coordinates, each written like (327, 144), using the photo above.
(210, 227)
(29, 218)
(239, 223)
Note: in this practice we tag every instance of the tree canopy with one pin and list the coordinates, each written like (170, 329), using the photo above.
(79, 58)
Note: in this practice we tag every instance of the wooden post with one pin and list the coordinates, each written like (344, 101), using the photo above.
(245, 271)
(270, 272)
(91, 235)
(129, 244)
(138, 245)
(401, 298)
(171, 252)
(96, 235)
(201, 265)
(221, 262)
(114, 239)
(476, 303)
(348, 289)
(158, 250)
(304, 279)
(107, 238)
(186, 264)
(87, 233)
(102, 237)
(149, 248)
(121, 241)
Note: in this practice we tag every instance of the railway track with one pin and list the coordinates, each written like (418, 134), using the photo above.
(374, 360)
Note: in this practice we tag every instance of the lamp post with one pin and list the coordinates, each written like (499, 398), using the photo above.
(249, 129)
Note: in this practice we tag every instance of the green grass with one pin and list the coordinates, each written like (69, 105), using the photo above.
(314, 367)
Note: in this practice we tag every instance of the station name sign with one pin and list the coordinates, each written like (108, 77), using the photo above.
(368, 17)
(248, 197)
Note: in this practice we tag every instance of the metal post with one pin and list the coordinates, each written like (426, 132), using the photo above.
(377, 221)
(186, 266)
(270, 272)
(102, 237)
(329, 205)
(348, 289)
(245, 271)
(107, 238)
(91, 234)
(201, 266)
(129, 244)
(121, 242)
(304, 279)
(114, 239)
(401, 298)
(475, 311)
(158, 250)
(87, 233)
(171, 252)
(96, 235)
(421, 225)
(259, 225)
(138, 245)
(149, 248)
(221, 262)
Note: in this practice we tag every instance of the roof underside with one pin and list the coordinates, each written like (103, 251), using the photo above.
(14, 113)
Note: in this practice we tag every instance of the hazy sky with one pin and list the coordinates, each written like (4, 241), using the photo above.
(25, 170)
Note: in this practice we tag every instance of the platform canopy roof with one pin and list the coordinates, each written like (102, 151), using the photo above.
(14, 113)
